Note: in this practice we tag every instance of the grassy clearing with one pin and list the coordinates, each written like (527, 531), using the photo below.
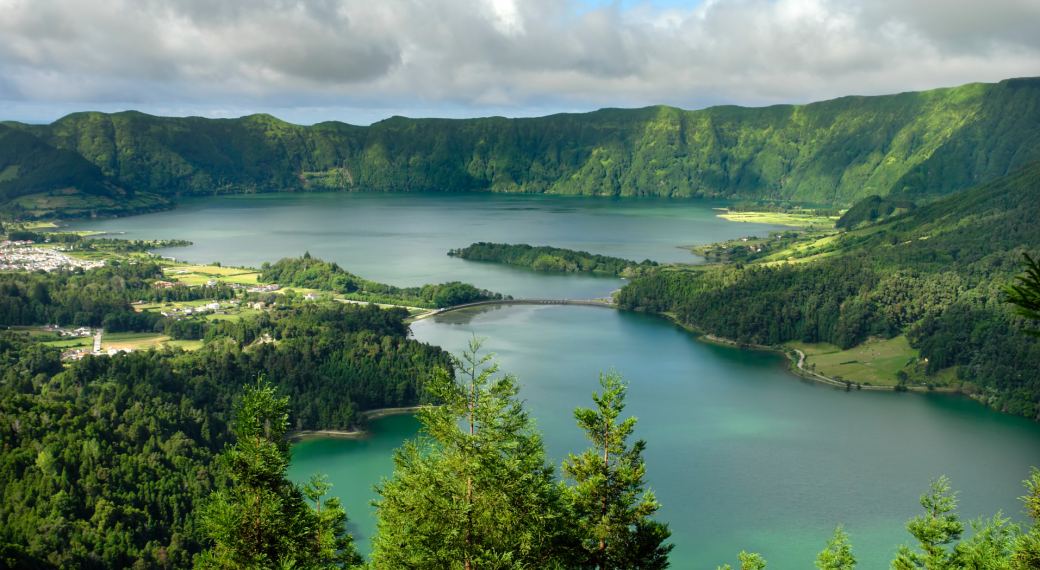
(243, 278)
(81, 342)
(185, 344)
(767, 250)
(795, 220)
(199, 275)
(135, 341)
(875, 361)
(235, 316)
(213, 270)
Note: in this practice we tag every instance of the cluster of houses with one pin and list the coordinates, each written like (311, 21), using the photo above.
(78, 354)
(14, 256)
(215, 307)
(70, 332)
(167, 284)
(265, 288)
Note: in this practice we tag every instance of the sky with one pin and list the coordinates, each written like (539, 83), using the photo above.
(361, 61)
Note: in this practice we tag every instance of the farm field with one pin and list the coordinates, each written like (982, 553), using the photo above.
(79, 342)
(875, 361)
(134, 341)
(798, 220)
(200, 274)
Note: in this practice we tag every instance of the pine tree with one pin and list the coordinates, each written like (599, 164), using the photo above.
(991, 546)
(1027, 551)
(939, 527)
(748, 561)
(332, 546)
(1026, 295)
(262, 520)
(609, 496)
(474, 490)
(838, 554)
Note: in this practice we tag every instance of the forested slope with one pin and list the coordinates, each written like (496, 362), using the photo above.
(919, 145)
(72, 184)
(934, 273)
(310, 272)
(107, 461)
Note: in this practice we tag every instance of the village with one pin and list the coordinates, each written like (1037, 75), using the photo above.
(77, 342)
(22, 256)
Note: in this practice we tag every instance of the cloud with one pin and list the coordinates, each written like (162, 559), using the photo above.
(506, 54)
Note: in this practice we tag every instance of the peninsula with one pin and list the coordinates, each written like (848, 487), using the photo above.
(547, 258)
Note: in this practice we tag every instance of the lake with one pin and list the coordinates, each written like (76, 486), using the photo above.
(742, 454)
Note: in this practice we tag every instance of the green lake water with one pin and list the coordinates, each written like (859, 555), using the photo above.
(742, 454)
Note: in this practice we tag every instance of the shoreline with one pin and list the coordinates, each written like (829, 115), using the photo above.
(305, 434)
(300, 435)
(383, 412)
(797, 368)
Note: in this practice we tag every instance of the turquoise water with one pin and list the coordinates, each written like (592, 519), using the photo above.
(742, 454)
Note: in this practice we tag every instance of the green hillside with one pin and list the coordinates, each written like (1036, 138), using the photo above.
(918, 145)
(40, 181)
(933, 274)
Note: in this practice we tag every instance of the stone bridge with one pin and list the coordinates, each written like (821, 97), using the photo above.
(591, 302)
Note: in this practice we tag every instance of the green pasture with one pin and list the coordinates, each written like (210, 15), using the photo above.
(874, 361)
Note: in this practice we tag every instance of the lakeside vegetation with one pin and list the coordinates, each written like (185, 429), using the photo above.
(108, 460)
(755, 207)
(313, 273)
(918, 146)
(546, 258)
(933, 274)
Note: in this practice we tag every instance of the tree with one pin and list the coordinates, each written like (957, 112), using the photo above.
(333, 547)
(748, 561)
(609, 496)
(1027, 551)
(262, 520)
(939, 527)
(838, 554)
(474, 489)
(991, 546)
(1026, 296)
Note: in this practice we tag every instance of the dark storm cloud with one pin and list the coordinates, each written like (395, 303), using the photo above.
(503, 53)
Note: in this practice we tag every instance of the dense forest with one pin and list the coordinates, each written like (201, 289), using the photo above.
(918, 145)
(73, 185)
(547, 258)
(934, 273)
(97, 298)
(29, 165)
(313, 273)
(872, 209)
(106, 460)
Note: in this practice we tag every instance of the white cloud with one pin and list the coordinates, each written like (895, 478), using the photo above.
(510, 54)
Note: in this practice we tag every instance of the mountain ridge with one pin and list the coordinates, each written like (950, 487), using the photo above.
(915, 145)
